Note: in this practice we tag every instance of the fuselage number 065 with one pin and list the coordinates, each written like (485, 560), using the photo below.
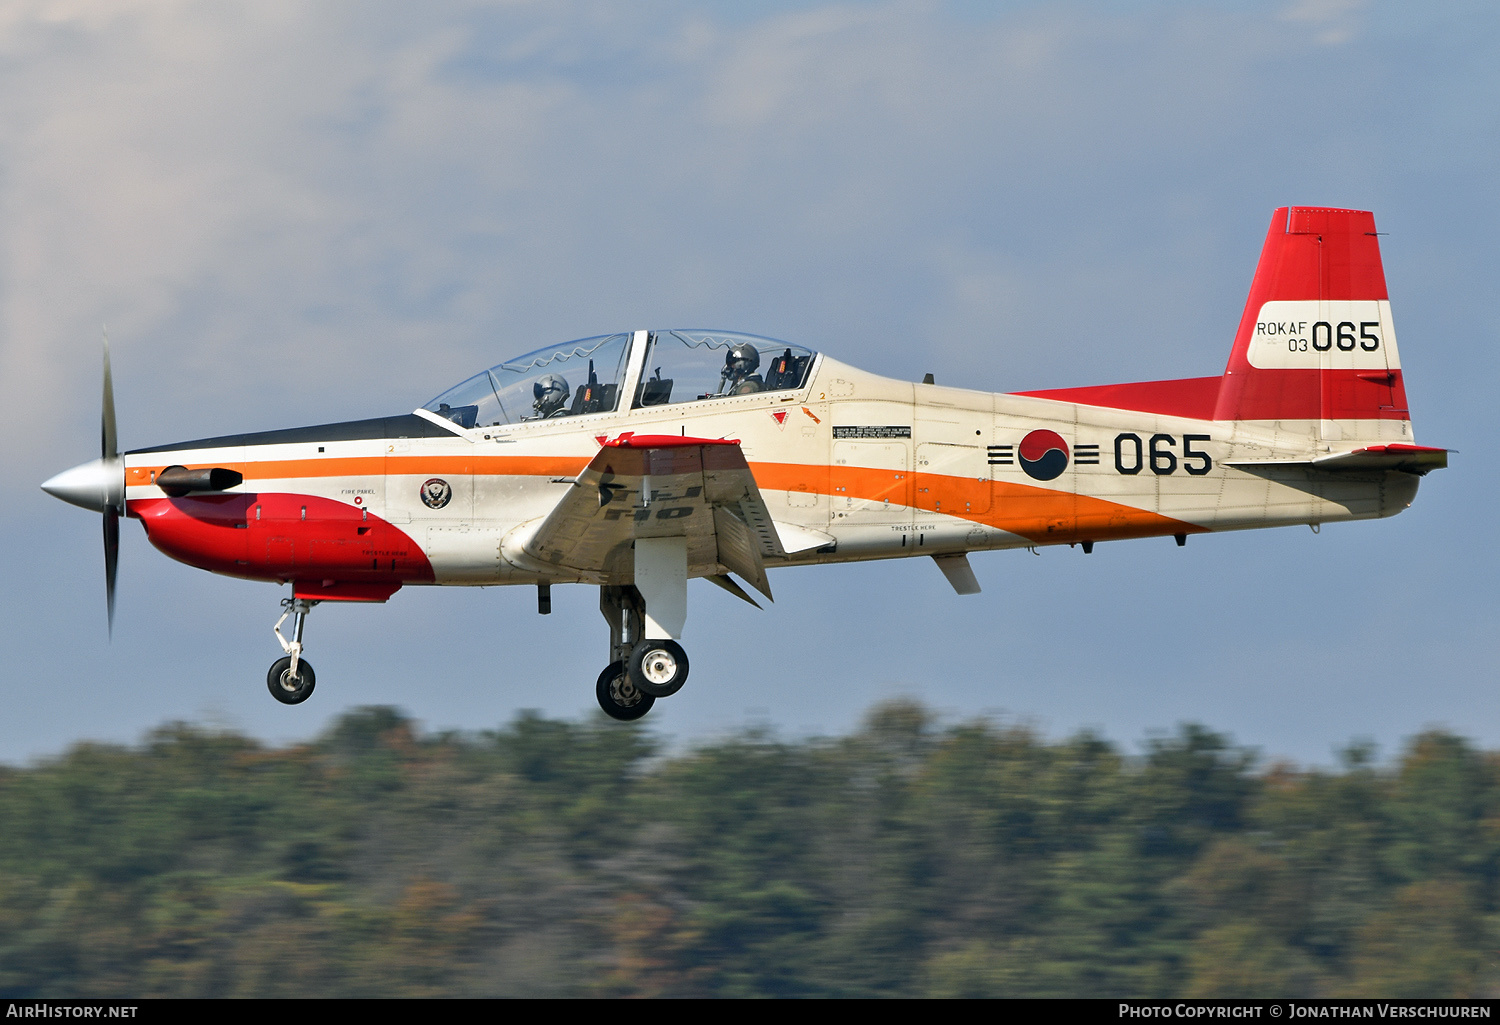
(1159, 453)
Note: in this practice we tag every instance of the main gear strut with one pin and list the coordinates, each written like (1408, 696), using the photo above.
(642, 668)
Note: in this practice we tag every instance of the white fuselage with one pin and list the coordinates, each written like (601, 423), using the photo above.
(878, 468)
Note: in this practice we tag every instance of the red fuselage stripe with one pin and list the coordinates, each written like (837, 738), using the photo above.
(282, 537)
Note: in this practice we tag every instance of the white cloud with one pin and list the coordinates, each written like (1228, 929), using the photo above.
(1332, 21)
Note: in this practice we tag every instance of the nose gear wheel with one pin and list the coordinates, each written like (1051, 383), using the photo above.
(291, 687)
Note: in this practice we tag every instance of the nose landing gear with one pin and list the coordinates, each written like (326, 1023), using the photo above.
(291, 679)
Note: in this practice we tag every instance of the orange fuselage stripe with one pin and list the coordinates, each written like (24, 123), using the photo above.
(1035, 513)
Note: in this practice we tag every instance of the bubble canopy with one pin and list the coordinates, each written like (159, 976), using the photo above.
(586, 376)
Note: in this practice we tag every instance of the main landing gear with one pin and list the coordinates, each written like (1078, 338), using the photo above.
(643, 668)
(291, 679)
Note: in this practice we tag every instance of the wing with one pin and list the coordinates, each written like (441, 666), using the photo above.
(661, 486)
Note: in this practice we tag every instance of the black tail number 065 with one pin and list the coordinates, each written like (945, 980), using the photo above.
(1325, 337)
(1132, 455)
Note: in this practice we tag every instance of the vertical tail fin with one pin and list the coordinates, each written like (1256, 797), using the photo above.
(1316, 342)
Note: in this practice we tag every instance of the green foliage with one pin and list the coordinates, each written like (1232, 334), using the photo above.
(909, 858)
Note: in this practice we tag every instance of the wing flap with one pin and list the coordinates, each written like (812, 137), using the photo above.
(739, 550)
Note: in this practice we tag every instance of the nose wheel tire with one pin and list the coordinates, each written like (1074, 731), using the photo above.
(620, 698)
(289, 689)
(658, 667)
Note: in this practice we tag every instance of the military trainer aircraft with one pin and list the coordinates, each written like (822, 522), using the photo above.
(637, 461)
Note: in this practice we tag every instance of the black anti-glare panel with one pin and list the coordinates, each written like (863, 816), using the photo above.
(408, 426)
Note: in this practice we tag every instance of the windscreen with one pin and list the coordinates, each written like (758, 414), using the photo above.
(573, 379)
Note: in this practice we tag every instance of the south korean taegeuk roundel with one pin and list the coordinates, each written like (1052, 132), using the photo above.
(1043, 455)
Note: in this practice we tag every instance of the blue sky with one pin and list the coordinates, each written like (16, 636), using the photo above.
(293, 214)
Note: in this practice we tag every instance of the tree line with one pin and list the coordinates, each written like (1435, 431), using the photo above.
(911, 857)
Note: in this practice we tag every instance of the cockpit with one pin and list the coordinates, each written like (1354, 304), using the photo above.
(587, 376)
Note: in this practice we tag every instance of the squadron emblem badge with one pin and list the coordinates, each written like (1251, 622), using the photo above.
(436, 492)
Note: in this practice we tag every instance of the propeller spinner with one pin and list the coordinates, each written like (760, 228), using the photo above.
(100, 485)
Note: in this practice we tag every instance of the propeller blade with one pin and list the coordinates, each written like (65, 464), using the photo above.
(109, 451)
(108, 447)
(111, 562)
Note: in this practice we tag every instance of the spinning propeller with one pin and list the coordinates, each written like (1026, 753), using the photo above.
(100, 485)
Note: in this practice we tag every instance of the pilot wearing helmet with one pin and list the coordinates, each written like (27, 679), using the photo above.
(551, 394)
(739, 376)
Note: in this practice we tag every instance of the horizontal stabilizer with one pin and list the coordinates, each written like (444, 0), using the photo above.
(1417, 459)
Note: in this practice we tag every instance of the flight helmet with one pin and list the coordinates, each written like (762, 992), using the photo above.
(551, 393)
(741, 360)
